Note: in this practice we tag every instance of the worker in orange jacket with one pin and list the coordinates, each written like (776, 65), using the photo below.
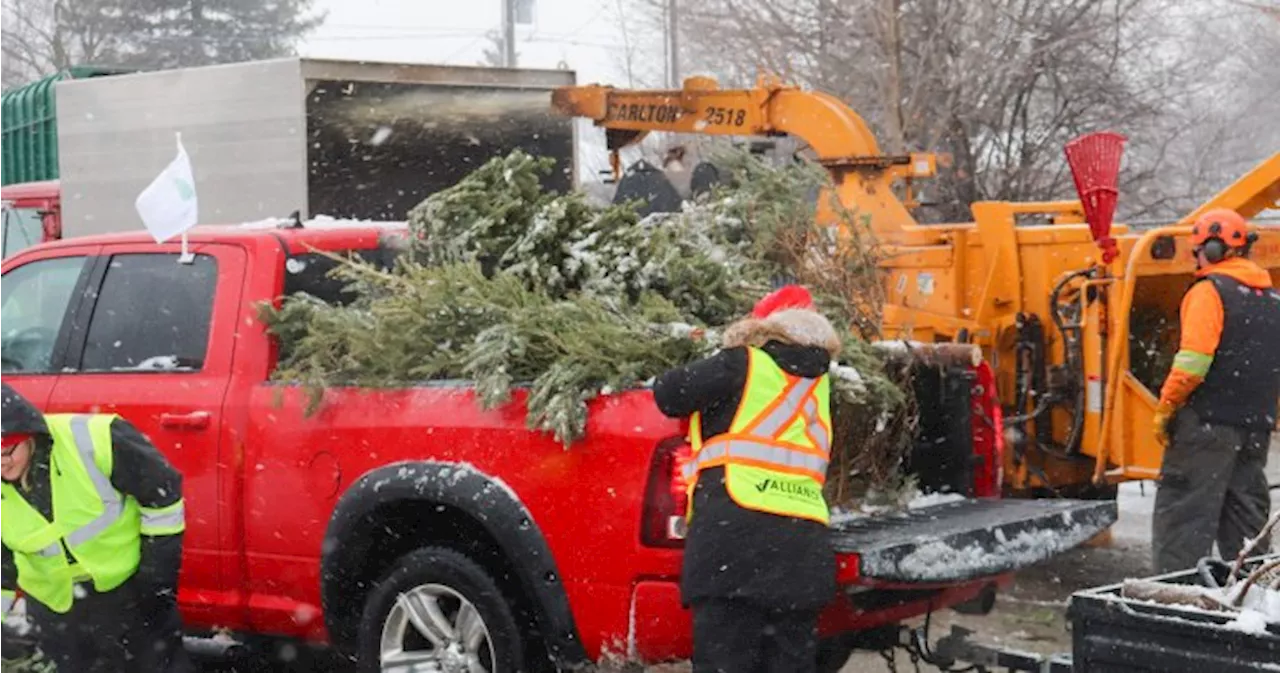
(1218, 405)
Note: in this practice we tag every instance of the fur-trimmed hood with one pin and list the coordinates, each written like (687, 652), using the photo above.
(795, 326)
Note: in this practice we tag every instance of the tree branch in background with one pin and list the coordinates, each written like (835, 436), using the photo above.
(1002, 85)
(43, 37)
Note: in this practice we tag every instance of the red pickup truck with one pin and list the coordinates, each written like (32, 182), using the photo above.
(404, 525)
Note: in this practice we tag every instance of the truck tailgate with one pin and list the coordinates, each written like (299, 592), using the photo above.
(968, 539)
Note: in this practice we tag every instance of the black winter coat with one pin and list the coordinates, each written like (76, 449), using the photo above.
(778, 562)
(139, 470)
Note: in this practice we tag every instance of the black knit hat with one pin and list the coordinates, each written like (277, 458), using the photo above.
(19, 415)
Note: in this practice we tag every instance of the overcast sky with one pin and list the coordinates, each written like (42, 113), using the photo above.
(583, 35)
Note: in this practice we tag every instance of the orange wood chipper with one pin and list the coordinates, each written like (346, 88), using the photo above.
(1074, 336)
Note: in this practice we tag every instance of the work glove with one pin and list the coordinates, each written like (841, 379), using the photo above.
(1160, 422)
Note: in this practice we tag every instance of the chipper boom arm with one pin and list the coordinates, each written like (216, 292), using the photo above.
(839, 138)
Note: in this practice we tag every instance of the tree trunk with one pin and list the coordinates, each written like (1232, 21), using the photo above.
(892, 38)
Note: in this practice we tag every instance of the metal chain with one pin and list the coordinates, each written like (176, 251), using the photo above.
(890, 657)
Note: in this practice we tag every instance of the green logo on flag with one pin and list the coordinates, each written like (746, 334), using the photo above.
(186, 191)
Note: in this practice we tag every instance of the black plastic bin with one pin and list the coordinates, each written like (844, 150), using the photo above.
(1111, 633)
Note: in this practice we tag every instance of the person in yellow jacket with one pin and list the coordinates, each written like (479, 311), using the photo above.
(758, 567)
(92, 531)
(1217, 407)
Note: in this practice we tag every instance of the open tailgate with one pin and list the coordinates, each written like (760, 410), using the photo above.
(968, 539)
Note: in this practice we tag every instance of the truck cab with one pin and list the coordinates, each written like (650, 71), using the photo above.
(32, 214)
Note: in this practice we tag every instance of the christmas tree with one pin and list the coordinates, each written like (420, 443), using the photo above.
(506, 285)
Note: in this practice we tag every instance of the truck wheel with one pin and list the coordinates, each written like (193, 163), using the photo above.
(834, 653)
(436, 606)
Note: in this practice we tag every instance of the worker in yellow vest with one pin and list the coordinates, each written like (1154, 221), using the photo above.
(92, 530)
(758, 566)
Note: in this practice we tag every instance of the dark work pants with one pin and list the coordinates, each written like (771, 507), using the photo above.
(120, 631)
(1212, 487)
(736, 636)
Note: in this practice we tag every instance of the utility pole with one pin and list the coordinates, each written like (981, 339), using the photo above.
(673, 45)
(509, 33)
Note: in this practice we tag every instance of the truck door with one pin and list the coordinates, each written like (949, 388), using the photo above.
(23, 228)
(156, 351)
(42, 296)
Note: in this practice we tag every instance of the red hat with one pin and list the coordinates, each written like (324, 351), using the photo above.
(785, 297)
(12, 439)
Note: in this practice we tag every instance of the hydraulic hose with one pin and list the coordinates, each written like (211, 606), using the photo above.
(1073, 348)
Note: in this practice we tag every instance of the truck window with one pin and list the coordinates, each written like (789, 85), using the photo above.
(36, 298)
(310, 273)
(23, 228)
(152, 314)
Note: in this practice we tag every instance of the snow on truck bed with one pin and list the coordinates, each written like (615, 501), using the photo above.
(968, 539)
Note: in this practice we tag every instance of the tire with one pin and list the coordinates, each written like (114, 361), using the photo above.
(451, 581)
(833, 655)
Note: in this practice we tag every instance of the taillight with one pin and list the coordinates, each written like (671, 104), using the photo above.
(998, 415)
(665, 499)
(988, 434)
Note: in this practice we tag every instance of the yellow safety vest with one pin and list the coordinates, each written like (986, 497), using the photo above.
(93, 522)
(776, 451)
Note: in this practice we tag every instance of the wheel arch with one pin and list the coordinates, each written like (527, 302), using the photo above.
(470, 508)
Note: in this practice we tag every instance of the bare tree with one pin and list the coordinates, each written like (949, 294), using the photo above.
(999, 85)
(41, 37)
(641, 27)
(493, 55)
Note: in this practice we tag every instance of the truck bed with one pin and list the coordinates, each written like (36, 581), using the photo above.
(968, 539)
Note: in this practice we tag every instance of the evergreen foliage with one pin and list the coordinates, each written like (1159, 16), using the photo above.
(508, 286)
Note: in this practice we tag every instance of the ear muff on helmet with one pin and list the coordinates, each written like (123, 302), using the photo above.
(1214, 250)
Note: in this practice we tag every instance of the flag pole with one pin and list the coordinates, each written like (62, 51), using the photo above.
(186, 257)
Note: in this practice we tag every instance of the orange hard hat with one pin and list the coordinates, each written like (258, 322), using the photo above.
(1223, 224)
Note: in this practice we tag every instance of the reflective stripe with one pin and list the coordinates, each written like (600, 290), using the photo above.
(718, 452)
(51, 550)
(112, 505)
(1193, 363)
(817, 431)
(776, 420)
(164, 520)
(757, 447)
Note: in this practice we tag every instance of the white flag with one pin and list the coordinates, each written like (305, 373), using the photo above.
(168, 205)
